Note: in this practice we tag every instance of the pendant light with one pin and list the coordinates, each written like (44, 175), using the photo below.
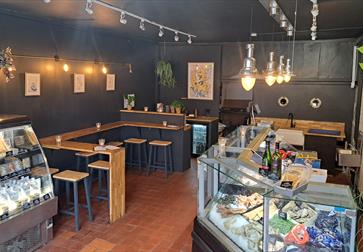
(288, 72)
(249, 70)
(280, 71)
(270, 72)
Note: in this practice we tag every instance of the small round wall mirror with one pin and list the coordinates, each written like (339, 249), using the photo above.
(283, 101)
(315, 103)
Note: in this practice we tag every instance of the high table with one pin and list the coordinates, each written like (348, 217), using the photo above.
(116, 157)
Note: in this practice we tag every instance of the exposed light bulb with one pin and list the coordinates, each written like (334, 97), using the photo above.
(123, 19)
(88, 8)
(287, 77)
(142, 25)
(161, 32)
(270, 80)
(104, 70)
(248, 82)
(65, 68)
(280, 79)
(270, 71)
(189, 40)
(176, 37)
(280, 71)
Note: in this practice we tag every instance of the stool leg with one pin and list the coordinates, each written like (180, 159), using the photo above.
(155, 156)
(76, 210)
(108, 188)
(171, 158)
(149, 162)
(78, 163)
(145, 154)
(131, 154)
(90, 180)
(88, 198)
(87, 162)
(99, 183)
(67, 195)
(166, 162)
(56, 186)
(139, 156)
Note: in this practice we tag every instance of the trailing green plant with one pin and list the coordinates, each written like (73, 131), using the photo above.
(130, 99)
(360, 49)
(165, 74)
(177, 104)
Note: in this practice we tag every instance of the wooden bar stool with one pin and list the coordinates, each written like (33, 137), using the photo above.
(86, 157)
(153, 160)
(139, 142)
(101, 166)
(74, 177)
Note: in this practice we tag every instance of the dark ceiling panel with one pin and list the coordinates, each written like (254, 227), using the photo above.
(210, 20)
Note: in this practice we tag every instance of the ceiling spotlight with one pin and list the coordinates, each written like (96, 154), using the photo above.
(161, 32)
(249, 70)
(189, 40)
(270, 72)
(88, 8)
(123, 19)
(65, 68)
(280, 71)
(273, 8)
(290, 30)
(283, 21)
(46, 1)
(176, 37)
(288, 73)
(142, 25)
(104, 70)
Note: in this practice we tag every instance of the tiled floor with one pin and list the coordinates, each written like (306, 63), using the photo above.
(159, 216)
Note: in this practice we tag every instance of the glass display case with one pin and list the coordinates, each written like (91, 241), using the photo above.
(322, 218)
(233, 198)
(26, 187)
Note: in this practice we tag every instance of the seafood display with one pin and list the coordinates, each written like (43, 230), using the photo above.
(301, 213)
(238, 204)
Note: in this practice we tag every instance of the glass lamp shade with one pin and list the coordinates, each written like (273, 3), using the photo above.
(280, 79)
(287, 77)
(248, 82)
(270, 80)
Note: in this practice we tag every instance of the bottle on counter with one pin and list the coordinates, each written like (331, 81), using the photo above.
(276, 165)
(266, 161)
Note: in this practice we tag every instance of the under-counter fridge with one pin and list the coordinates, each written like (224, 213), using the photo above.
(200, 138)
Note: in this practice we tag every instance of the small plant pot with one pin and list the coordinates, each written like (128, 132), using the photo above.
(172, 109)
(178, 110)
(129, 107)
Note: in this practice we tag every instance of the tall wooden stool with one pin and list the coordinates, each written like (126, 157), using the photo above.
(85, 156)
(101, 166)
(138, 142)
(74, 177)
(153, 159)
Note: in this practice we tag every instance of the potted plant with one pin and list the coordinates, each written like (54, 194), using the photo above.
(165, 74)
(130, 102)
(178, 106)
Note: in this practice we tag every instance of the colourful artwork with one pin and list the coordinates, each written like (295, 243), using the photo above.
(200, 80)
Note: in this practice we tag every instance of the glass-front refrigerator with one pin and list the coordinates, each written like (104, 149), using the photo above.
(200, 139)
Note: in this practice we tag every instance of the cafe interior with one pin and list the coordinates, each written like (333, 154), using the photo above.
(181, 125)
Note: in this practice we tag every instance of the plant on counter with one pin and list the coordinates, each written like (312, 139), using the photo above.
(360, 49)
(130, 101)
(178, 106)
(165, 74)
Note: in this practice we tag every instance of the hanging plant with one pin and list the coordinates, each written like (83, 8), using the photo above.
(165, 74)
(360, 49)
(6, 63)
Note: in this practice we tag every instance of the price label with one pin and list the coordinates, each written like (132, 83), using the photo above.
(26, 205)
(286, 184)
(4, 216)
(46, 196)
(36, 201)
(282, 215)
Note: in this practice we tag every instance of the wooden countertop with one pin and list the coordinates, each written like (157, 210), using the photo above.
(150, 112)
(206, 119)
(306, 125)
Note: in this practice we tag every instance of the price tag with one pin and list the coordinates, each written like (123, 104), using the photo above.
(36, 201)
(46, 196)
(4, 216)
(282, 215)
(26, 205)
(286, 184)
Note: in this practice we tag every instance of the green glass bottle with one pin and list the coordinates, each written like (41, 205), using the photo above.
(276, 165)
(264, 169)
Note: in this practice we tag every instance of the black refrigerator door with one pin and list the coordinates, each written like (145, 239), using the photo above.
(200, 138)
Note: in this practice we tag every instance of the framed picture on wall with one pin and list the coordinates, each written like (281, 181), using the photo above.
(32, 84)
(79, 83)
(110, 82)
(200, 80)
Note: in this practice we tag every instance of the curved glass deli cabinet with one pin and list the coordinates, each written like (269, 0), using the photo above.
(27, 201)
(239, 211)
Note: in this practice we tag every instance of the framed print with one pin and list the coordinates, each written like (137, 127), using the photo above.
(79, 83)
(110, 82)
(32, 84)
(200, 80)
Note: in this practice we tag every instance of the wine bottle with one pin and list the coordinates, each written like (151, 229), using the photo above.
(265, 166)
(276, 165)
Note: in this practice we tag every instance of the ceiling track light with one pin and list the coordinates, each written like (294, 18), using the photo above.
(249, 71)
(270, 71)
(161, 32)
(189, 40)
(176, 37)
(274, 8)
(123, 19)
(88, 8)
(314, 12)
(290, 31)
(283, 21)
(142, 25)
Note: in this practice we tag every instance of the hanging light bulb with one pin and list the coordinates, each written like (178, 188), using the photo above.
(88, 8)
(189, 40)
(142, 25)
(65, 68)
(176, 37)
(104, 70)
(248, 71)
(273, 8)
(280, 71)
(283, 21)
(161, 32)
(123, 19)
(270, 72)
(290, 31)
(288, 73)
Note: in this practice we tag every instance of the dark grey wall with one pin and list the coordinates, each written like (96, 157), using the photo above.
(58, 109)
(179, 56)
